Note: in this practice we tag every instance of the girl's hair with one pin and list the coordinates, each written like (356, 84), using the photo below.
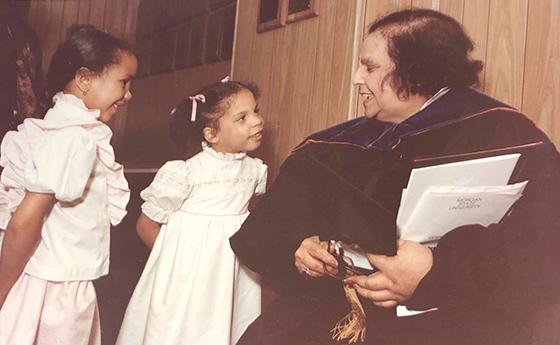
(430, 50)
(85, 47)
(186, 134)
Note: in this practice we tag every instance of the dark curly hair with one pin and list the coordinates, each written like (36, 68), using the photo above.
(429, 49)
(87, 47)
(188, 135)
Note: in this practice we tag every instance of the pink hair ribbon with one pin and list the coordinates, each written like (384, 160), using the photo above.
(195, 98)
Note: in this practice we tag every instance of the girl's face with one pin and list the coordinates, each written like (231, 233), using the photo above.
(111, 89)
(240, 128)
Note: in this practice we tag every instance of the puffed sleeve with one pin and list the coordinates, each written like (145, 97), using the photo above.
(61, 164)
(166, 193)
(263, 174)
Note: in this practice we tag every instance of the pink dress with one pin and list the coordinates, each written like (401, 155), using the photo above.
(69, 155)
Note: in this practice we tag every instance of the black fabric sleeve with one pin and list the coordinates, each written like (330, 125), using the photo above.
(286, 215)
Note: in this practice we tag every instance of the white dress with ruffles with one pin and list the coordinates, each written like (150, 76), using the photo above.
(67, 154)
(193, 290)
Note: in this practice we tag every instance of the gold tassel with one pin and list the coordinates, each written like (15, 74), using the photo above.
(353, 325)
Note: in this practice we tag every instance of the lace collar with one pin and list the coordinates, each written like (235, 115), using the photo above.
(225, 156)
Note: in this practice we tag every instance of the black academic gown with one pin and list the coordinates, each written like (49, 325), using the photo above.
(489, 283)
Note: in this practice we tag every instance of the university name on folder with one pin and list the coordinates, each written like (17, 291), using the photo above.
(442, 197)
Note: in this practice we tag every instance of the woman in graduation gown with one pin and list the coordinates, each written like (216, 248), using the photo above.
(489, 284)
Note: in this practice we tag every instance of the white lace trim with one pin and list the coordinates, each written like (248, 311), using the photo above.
(156, 213)
(231, 181)
(225, 156)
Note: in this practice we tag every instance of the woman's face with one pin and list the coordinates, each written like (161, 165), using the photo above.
(375, 85)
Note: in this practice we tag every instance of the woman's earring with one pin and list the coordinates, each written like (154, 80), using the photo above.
(84, 92)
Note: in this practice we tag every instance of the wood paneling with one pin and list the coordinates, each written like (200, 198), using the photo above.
(341, 89)
(70, 16)
(146, 118)
(55, 15)
(51, 19)
(294, 100)
(475, 22)
(541, 87)
(377, 8)
(115, 17)
(325, 47)
(509, 36)
(83, 13)
(453, 8)
(433, 4)
(505, 55)
(516, 40)
(147, 143)
(47, 22)
(33, 13)
(303, 70)
(252, 61)
(131, 16)
(97, 12)
(273, 109)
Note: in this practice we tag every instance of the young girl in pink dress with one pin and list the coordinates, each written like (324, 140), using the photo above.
(193, 289)
(60, 191)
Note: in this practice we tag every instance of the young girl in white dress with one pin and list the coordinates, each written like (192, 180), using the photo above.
(193, 289)
(60, 190)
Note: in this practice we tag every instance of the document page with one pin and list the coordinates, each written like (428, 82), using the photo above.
(444, 208)
(443, 197)
(490, 171)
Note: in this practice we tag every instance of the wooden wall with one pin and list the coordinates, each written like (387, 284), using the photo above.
(518, 42)
(147, 143)
(51, 18)
(140, 129)
(303, 69)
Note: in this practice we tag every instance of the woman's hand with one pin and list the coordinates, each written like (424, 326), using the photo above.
(398, 275)
(312, 258)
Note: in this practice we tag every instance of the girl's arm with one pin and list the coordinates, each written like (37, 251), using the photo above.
(22, 235)
(147, 230)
